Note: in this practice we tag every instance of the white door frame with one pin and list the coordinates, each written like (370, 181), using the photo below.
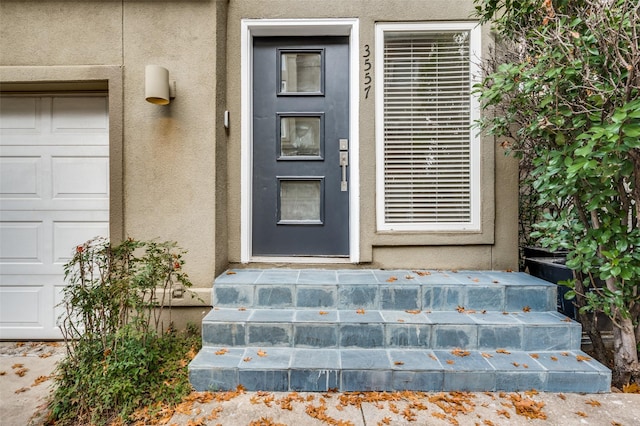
(297, 27)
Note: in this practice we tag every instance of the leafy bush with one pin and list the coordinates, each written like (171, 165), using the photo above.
(120, 356)
(565, 95)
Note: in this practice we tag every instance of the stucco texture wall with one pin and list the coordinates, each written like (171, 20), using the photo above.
(495, 247)
(168, 182)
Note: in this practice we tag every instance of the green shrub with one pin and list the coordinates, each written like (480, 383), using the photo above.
(120, 357)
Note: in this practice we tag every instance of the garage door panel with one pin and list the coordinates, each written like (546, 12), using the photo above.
(20, 176)
(27, 310)
(20, 115)
(14, 300)
(70, 115)
(80, 177)
(68, 235)
(51, 139)
(21, 242)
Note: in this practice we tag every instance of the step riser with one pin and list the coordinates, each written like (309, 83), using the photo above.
(377, 371)
(432, 336)
(362, 381)
(387, 297)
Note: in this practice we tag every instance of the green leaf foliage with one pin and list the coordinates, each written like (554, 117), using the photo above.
(120, 355)
(567, 94)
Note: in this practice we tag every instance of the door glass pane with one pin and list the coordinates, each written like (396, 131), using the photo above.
(299, 136)
(300, 200)
(300, 72)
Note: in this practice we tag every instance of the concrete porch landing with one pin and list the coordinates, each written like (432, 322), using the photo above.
(358, 330)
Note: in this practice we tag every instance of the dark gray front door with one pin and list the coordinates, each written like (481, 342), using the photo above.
(300, 146)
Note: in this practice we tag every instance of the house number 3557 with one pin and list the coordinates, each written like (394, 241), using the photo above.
(367, 70)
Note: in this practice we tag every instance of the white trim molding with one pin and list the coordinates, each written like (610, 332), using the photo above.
(297, 27)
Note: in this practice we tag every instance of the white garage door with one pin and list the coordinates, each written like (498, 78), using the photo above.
(54, 195)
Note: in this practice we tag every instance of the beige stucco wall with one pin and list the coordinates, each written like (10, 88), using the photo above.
(495, 247)
(164, 180)
(175, 171)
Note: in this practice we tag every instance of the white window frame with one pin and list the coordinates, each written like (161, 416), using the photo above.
(475, 148)
(298, 27)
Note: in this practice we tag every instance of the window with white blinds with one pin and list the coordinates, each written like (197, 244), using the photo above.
(427, 151)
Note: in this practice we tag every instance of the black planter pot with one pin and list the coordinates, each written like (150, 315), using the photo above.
(553, 269)
(529, 251)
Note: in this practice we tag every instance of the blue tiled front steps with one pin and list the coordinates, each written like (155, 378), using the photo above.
(390, 330)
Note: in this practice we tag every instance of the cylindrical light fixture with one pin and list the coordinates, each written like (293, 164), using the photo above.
(156, 85)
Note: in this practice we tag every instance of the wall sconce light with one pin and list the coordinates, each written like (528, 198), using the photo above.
(158, 89)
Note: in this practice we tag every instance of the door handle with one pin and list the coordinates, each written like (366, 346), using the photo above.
(344, 162)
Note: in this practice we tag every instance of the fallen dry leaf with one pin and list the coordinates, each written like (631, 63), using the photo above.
(265, 421)
(14, 366)
(262, 353)
(486, 355)
(534, 356)
(413, 311)
(631, 388)
(222, 351)
(503, 351)
(2, 373)
(504, 413)
(459, 352)
(247, 359)
(582, 358)
(593, 403)
(22, 390)
(392, 279)
(40, 379)
(21, 372)
(45, 354)
(408, 414)
(564, 353)
(242, 309)
(527, 407)
(581, 414)
(409, 277)
(360, 311)
(398, 363)
(553, 358)
(214, 413)
(526, 309)
(323, 312)
(422, 273)
(460, 309)
(230, 273)
(562, 396)
(515, 364)
(450, 362)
